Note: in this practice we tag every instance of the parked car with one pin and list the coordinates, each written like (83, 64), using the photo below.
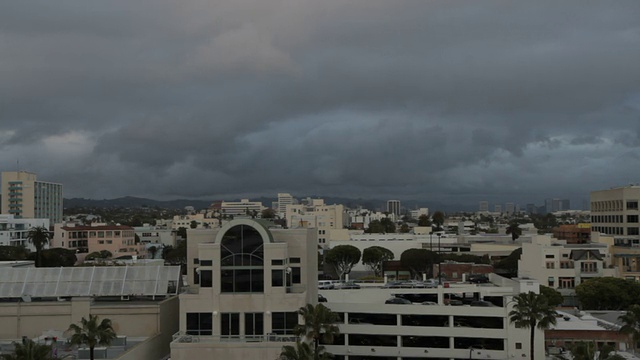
(454, 302)
(325, 284)
(321, 298)
(346, 285)
(478, 279)
(482, 303)
(429, 303)
(392, 284)
(412, 284)
(397, 300)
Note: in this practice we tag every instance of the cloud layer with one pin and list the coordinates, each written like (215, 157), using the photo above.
(441, 101)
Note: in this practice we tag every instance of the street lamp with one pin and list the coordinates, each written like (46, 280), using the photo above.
(439, 261)
(288, 271)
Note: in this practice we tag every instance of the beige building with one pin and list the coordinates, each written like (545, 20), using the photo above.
(615, 212)
(317, 215)
(25, 197)
(117, 239)
(250, 280)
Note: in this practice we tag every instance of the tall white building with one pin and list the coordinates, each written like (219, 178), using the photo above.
(25, 197)
(317, 215)
(509, 208)
(242, 207)
(616, 212)
(393, 207)
(284, 199)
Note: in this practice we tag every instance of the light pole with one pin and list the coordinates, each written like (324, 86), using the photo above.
(288, 280)
(439, 261)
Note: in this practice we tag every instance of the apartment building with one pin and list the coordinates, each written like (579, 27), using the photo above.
(615, 212)
(393, 207)
(316, 214)
(563, 266)
(23, 196)
(117, 239)
(14, 232)
(249, 281)
(284, 200)
(573, 233)
(244, 207)
(201, 221)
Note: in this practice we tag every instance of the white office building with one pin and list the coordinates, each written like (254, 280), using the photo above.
(13, 232)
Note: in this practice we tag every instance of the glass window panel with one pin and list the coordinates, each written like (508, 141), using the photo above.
(206, 278)
(277, 278)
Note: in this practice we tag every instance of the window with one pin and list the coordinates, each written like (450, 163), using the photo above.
(253, 324)
(549, 256)
(294, 260)
(206, 262)
(230, 324)
(196, 261)
(100, 241)
(518, 346)
(206, 278)
(551, 265)
(277, 278)
(632, 205)
(633, 231)
(241, 260)
(109, 241)
(282, 323)
(277, 262)
(295, 275)
(199, 324)
(632, 218)
(551, 281)
(196, 277)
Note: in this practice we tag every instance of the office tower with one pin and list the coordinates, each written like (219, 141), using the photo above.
(509, 208)
(498, 208)
(23, 196)
(615, 212)
(483, 206)
(284, 199)
(393, 207)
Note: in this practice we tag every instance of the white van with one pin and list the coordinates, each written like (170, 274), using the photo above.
(325, 284)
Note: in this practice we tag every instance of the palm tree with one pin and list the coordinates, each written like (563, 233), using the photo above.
(39, 236)
(438, 220)
(152, 251)
(631, 324)
(92, 333)
(302, 351)
(29, 350)
(514, 230)
(532, 311)
(319, 322)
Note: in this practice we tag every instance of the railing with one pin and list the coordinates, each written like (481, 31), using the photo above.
(182, 337)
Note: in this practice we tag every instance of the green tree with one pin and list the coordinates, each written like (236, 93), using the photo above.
(404, 228)
(374, 257)
(388, 225)
(587, 350)
(39, 236)
(631, 324)
(152, 251)
(375, 227)
(102, 254)
(423, 220)
(319, 322)
(514, 230)
(531, 311)
(194, 224)
(438, 220)
(268, 214)
(92, 333)
(509, 265)
(607, 293)
(9, 253)
(58, 257)
(343, 258)
(29, 350)
(177, 255)
(299, 351)
(182, 232)
(554, 298)
(419, 261)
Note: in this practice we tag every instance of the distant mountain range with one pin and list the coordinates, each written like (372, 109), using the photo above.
(136, 202)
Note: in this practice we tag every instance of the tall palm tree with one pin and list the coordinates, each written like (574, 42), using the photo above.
(531, 311)
(319, 322)
(631, 324)
(303, 351)
(514, 230)
(92, 333)
(39, 236)
(29, 350)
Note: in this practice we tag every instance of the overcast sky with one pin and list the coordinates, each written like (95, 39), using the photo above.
(446, 101)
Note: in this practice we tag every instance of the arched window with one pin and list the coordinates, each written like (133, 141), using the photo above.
(242, 260)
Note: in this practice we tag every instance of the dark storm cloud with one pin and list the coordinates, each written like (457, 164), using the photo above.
(409, 99)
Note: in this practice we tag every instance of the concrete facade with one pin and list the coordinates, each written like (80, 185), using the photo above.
(616, 212)
(119, 240)
(25, 197)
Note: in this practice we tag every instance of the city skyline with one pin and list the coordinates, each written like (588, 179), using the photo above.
(445, 102)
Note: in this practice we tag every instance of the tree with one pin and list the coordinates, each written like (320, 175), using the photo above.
(423, 220)
(29, 350)
(631, 324)
(319, 322)
(58, 257)
(509, 265)
(404, 228)
(268, 214)
(301, 351)
(182, 232)
(388, 225)
(587, 350)
(343, 258)
(375, 256)
(92, 333)
(531, 311)
(514, 230)
(102, 254)
(607, 293)
(152, 251)
(419, 261)
(39, 236)
(9, 253)
(194, 224)
(554, 298)
(438, 220)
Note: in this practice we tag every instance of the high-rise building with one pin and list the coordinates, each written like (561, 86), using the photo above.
(25, 197)
(509, 208)
(284, 199)
(483, 206)
(393, 207)
(615, 212)
(497, 208)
